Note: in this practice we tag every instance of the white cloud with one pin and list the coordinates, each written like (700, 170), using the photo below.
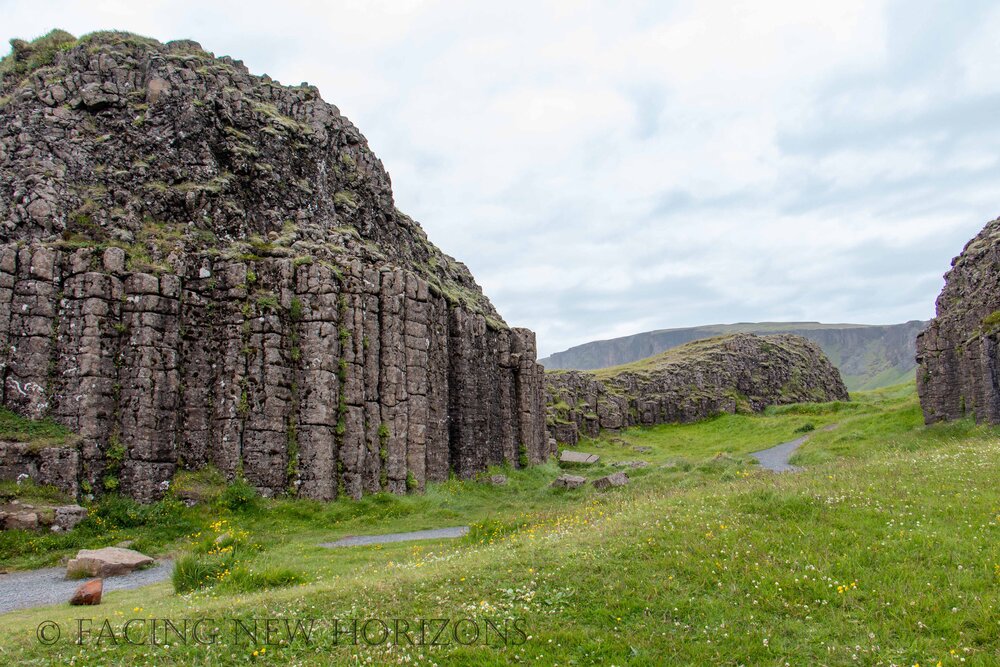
(605, 168)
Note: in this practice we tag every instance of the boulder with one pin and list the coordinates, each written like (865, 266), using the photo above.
(614, 479)
(569, 456)
(88, 593)
(496, 480)
(106, 562)
(630, 464)
(67, 516)
(21, 521)
(569, 481)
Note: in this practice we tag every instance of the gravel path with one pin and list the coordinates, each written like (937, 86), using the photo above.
(36, 588)
(776, 458)
(359, 540)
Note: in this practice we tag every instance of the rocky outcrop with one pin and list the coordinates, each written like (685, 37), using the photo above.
(201, 266)
(959, 352)
(738, 373)
(867, 356)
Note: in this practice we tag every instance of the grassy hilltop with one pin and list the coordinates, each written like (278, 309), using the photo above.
(884, 551)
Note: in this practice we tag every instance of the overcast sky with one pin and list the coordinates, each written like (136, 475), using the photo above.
(610, 168)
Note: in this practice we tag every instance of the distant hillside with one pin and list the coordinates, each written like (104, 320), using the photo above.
(867, 356)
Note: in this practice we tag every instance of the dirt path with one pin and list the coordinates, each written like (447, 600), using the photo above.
(776, 458)
(36, 588)
(359, 540)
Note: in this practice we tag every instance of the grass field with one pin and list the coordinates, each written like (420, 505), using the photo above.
(884, 551)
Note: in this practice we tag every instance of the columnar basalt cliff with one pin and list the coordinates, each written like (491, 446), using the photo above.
(201, 266)
(958, 354)
(738, 373)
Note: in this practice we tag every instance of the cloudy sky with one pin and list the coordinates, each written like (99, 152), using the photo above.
(606, 168)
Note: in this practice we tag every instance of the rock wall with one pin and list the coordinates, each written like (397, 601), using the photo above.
(738, 373)
(202, 266)
(313, 379)
(959, 352)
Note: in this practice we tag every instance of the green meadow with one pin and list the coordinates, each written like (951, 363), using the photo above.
(884, 550)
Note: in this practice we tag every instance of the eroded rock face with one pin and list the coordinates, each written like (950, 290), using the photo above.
(738, 373)
(201, 266)
(958, 356)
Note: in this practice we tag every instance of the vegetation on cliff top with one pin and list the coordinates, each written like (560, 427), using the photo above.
(261, 132)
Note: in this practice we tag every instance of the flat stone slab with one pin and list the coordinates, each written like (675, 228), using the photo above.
(630, 464)
(361, 540)
(106, 562)
(569, 456)
(37, 588)
(569, 481)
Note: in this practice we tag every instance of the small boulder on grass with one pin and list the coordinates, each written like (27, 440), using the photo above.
(608, 481)
(88, 593)
(106, 562)
(569, 456)
(496, 480)
(569, 481)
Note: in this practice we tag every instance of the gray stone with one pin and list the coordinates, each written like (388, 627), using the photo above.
(568, 456)
(68, 516)
(612, 480)
(106, 562)
(630, 464)
(569, 481)
(21, 521)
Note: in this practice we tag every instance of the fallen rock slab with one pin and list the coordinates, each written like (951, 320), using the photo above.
(614, 479)
(88, 593)
(106, 562)
(569, 456)
(21, 521)
(569, 481)
(630, 464)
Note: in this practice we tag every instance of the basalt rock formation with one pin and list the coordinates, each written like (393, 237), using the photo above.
(867, 356)
(959, 352)
(737, 373)
(201, 266)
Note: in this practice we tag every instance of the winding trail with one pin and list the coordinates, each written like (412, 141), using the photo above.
(776, 458)
(37, 588)
(360, 540)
